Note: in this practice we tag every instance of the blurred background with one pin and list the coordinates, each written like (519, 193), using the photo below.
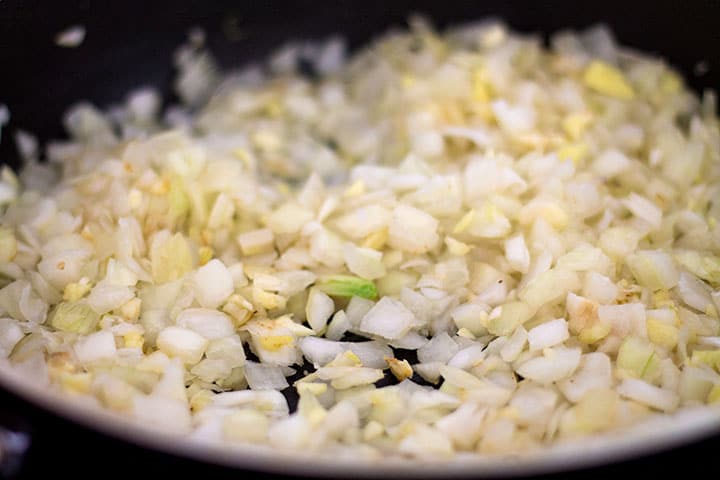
(130, 43)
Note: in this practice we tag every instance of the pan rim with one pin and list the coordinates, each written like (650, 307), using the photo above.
(580, 455)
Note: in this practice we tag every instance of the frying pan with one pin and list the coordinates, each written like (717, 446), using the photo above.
(130, 43)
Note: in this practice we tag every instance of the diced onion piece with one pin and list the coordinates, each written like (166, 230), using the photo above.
(619, 242)
(608, 80)
(514, 345)
(649, 395)
(105, 297)
(468, 357)
(661, 328)
(213, 284)
(463, 426)
(364, 221)
(170, 257)
(638, 358)
(211, 324)
(388, 318)
(342, 378)
(356, 310)
(512, 315)
(484, 176)
(320, 351)
(339, 324)
(460, 378)
(599, 288)
(533, 403)
(288, 218)
(643, 208)
(555, 364)
(489, 222)
(164, 413)
(318, 310)
(8, 244)
(326, 248)
(264, 377)
(548, 287)
(10, 335)
(517, 253)
(62, 268)
(440, 348)
(426, 442)
(548, 334)
(74, 317)
(256, 241)
(595, 411)
(611, 163)
(469, 316)
(653, 269)
(694, 292)
(515, 119)
(363, 262)
(595, 371)
(182, 343)
(625, 319)
(247, 426)
(229, 349)
(703, 266)
(585, 258)
(211, 370)
(412, 230)
(94, 347)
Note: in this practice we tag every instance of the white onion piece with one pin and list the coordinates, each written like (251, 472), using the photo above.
(94, 347)
(211, 324)
(213, 284)
(555, 364)
(388, 318)
(318, 310)
(649, 395)
(595, 371)
(548, 334)
(182, 343)
(264, 377)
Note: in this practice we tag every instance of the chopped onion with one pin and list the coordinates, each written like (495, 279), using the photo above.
(213, 284)
(105, 297)
(653, 269)
(364, 262)
(318, 310)
(555, 364)
(548, 334)
(412, 230)
(516, 214)
(99, 345)
(388, 318)
(517, 253)
(648, 394)
(595, 371)
(182, 343)
(694, 292)
(264, 377)
(440, 348)
(211, 324)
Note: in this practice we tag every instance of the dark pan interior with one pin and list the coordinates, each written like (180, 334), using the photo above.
(130, 43)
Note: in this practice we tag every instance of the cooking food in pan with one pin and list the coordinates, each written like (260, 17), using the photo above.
(446, 244)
